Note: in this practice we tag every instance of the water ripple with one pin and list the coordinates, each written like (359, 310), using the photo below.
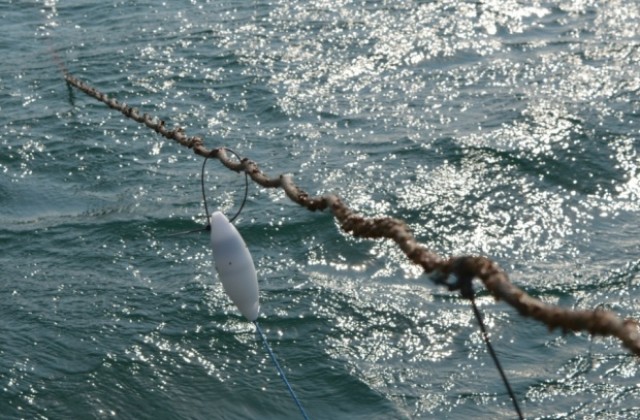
(497, 128)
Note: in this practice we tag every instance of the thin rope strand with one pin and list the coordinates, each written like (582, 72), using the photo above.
(494, 356)
(280, 371)
(204, 197)
(246, 188)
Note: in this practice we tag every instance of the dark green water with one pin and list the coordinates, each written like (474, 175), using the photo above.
(502, 128)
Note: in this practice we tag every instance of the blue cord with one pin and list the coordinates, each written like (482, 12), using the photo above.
(280, 371)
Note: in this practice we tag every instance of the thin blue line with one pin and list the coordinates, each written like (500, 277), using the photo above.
(280, 371)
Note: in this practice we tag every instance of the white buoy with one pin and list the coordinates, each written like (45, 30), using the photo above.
(234, 265)
(238, 276)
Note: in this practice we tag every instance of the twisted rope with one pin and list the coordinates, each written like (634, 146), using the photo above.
(464, 268)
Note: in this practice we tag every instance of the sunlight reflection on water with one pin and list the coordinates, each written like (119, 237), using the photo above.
(496, 128)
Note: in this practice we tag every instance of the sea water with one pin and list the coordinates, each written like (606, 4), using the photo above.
(507, 129)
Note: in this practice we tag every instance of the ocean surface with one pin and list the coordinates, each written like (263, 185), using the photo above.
(509, 129)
